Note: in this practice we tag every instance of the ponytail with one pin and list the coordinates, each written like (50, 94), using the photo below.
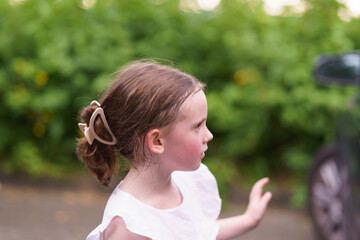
(99, 157)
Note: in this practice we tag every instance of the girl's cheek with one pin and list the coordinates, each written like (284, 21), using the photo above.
(195, 146)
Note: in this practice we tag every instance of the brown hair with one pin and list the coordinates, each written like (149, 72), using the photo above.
(145, 95)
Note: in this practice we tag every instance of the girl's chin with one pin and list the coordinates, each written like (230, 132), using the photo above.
(197, 165)
(194, 167)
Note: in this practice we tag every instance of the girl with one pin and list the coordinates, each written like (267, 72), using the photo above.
(155, 117)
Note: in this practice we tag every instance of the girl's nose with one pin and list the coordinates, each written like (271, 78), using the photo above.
(208, 135)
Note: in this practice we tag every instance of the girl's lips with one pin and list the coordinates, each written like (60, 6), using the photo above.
(203, 153)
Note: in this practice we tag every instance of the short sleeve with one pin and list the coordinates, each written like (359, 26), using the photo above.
(205, 183)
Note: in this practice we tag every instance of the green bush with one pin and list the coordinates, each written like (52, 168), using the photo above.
(266, 112)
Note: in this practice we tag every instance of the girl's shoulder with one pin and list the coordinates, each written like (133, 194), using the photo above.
(117, 230)
(121, 218)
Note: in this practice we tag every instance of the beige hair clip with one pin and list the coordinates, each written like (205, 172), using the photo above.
(89, 131)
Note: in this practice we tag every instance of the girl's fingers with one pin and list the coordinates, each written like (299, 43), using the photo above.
(266, 198)
(258, 187)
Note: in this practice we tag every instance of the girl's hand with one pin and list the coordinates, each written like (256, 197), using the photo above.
(232, 227)
(257, 202)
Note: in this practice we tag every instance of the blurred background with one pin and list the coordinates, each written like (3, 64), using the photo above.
(266, 112)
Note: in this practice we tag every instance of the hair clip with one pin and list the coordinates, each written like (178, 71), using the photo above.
(89, 131)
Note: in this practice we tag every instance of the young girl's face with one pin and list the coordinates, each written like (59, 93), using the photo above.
(186, 143)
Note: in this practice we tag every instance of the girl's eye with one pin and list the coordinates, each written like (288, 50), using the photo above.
(198, 125)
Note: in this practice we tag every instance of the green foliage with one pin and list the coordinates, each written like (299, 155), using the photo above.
(266, 112)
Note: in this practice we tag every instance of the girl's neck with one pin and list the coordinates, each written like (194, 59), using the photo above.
(153, 186)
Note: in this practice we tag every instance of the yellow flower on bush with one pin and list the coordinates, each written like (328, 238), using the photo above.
(41, 78)
(39, 129)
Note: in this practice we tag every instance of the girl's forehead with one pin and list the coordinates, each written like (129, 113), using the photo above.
(193, 109)
(194, 103)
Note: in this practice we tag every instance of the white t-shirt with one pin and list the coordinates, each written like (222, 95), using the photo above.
(195, 218)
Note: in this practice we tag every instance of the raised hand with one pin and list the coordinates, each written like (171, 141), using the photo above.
(258, 202)
(232, 227)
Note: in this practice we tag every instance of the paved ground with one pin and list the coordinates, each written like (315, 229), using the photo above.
(67, 211)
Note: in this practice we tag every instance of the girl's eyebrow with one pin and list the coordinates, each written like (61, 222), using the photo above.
(202, 120)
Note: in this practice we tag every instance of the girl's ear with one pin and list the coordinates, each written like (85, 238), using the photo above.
(154, 141)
